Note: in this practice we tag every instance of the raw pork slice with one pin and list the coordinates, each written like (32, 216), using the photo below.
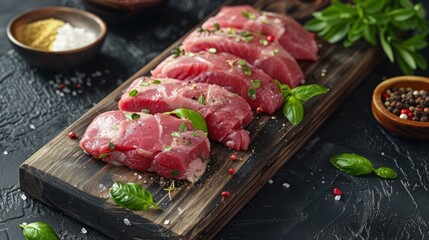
(224, 69)
(289, 33)
(254, 48)
(226, 113)
(146, 144)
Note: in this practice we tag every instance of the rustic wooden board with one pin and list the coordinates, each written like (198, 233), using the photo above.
(62, 176)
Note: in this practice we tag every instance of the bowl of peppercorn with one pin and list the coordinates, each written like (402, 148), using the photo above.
(401, 105)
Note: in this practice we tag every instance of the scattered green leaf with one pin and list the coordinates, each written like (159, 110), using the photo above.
(38, 231)
(132, 196)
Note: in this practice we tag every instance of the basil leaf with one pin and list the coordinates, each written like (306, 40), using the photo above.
(407, 58)
(352, 164)
(386, 46)
(293, 110)
(386, 172)
(38, 231)
(251, 93)
(132, 196)
(111, 146)
(183, 127)
(306, 92)
(197, 120)
(256, 83)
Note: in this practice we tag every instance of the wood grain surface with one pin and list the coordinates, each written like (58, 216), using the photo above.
(62, 176)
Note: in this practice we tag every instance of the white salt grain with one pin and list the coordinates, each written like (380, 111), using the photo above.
(166, 222)
(337, 197)
(5, 153)
(127, 222)
(270, 181)
(84, 231)
(23, 197)
(286, 185)
(70, 37)
(180, 210)
(32, 126)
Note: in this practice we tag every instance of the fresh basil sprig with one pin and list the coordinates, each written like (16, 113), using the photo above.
(197, 120)
(357, 165)
(38, 231)
(132, 196)
(384, 21)
(293, 109)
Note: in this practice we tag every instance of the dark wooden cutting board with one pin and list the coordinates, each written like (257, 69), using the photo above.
(62, 176)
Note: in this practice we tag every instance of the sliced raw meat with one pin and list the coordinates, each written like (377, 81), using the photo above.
(228, 71)
(226, 113)
(254, 48)
(146, 144)
(288, 32)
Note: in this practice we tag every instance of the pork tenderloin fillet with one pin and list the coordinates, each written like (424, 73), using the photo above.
(146, 144)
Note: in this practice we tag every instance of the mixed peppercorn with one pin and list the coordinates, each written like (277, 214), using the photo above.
(407, 103)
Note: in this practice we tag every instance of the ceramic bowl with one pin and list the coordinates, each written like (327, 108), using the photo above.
(396, 125)
(58, 60)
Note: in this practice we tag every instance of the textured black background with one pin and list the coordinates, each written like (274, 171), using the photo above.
(33, 111)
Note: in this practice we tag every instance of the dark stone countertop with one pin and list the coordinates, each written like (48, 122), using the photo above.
(297, 204)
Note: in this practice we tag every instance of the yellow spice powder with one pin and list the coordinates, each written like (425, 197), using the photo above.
(40, 34)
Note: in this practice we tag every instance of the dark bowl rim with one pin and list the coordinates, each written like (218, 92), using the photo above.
(378, 104)
(98, 20)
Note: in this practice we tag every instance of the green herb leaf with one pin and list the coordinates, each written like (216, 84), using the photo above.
(251, 93)
(212, 50)
(352, 164)
(168, 148)
(175, 173)
(216, 26)
(144, 110)
(306, 92)
(103, 155)
(133, 93)
(132, 196)
(195, 133)
(131, 115)
(201, 99)
(264, 42)
(177, 51)
(386, 172)
(275, 52)
(111, 146)
(183, 127)
(197, 120)
(144, 83)
(293, 110)
(284, 88)
(38, 231)
(156, 81)
(175, 134)
(256, 83)
(249, 15)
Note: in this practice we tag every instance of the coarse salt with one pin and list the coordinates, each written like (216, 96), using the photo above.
(166, 222)
(337, 197)
(127, 222)
(270, 181)
(84, 231)
(5, 153)
(23, 197)
(70, 37)
(286, 185)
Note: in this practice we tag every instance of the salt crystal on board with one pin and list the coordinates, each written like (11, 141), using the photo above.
(337, 197)
(166, 222)
(180, 210)
(270, 181)
(286, 185)
(84, 231)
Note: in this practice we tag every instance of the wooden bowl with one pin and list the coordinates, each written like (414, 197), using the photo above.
(396, 125)
(58, 60)
(119, 11)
